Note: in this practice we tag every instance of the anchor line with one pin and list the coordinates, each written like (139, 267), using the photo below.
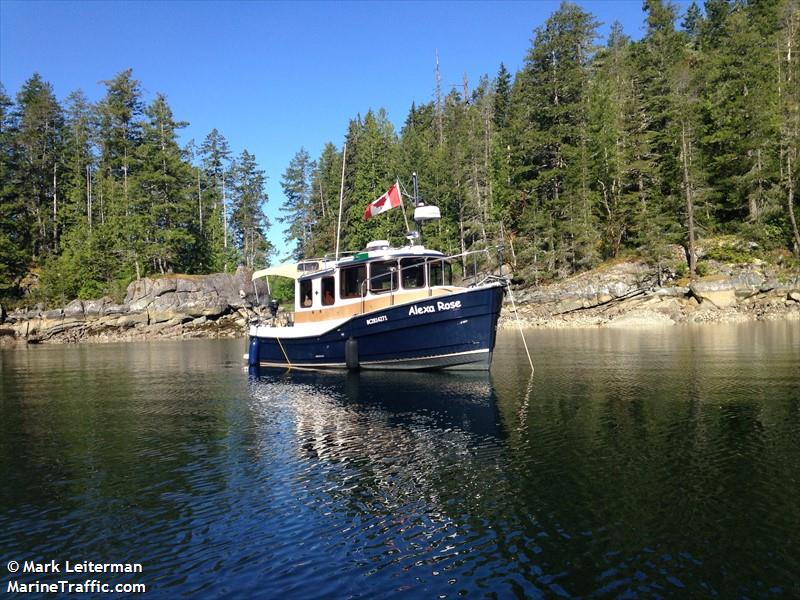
(286, 356)
(519, 326)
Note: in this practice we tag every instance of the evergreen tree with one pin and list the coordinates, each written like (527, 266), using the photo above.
(249, 224)
(584, 154)
(78, 164)
(614, 115)
(120, 134)
(502, 97)
(658, 60)
(692, 24)
(298, 206)
(712, 30)
(501, 191)
(15, 233)
(549, 130)
(40, 124)
(215, 158)
(739, 131)
(371, 167)
(789, 102)
(164, 193)
(325, 183)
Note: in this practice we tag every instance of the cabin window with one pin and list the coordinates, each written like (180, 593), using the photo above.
(305, 293)
(383, 276)
(440, 273)
(435, 273)
(412, 273)
(350, 279)
(328, 291)
(308, 267)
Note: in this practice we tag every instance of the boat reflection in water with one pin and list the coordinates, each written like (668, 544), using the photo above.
(385, 471)
(440, 400)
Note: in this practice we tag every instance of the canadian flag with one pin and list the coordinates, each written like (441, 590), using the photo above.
(391, 199)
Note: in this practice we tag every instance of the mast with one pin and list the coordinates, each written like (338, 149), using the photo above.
(341, 196)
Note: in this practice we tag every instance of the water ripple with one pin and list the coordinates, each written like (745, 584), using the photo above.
(629, 465)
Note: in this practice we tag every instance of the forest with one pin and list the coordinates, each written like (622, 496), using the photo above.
(590, 152)
(96, 195)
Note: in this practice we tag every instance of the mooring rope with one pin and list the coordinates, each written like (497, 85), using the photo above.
(519, 325)
(286, 356)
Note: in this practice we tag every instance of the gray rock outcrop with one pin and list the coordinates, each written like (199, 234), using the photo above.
(215, 305)
(627, 295)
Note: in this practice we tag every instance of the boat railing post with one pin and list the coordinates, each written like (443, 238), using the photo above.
(363, 294)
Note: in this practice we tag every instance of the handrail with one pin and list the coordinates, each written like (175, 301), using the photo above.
(398, 270)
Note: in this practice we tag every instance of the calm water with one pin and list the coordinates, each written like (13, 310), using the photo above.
(654, 463)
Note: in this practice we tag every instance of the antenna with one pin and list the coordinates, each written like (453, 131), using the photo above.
(439, 108)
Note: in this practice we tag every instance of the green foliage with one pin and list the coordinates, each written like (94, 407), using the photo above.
(282, 289)
(301, 213)
(96, 195)
(704, 269)
(248, 222)
(14, 230)
(594, 152)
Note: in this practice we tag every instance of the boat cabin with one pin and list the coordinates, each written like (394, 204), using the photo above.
(365, 281)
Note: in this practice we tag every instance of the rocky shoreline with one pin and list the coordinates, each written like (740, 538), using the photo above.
(173, 306)
(626, 294)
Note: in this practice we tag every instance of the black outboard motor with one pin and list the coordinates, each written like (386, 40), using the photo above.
(273, 308)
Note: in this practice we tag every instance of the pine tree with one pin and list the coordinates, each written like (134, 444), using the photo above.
(502, 97)
(613, 116)
(712, 30)
(15, 233)
(789, 103)
(215, 156)
(120, 134)
(40, 124)
(298, 206)
(249, 224)
(325, 186)
(371, 170)
(738, 129)
(692, 24)
(78, 163)
(164, 193)
(501, 191)
(658, 59)
(549, 131)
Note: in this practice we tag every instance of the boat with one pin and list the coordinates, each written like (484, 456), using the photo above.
(384, 307)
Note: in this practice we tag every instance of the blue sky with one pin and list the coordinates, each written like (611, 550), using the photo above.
(275, 76)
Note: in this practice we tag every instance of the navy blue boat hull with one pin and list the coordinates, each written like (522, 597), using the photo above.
(456, 331)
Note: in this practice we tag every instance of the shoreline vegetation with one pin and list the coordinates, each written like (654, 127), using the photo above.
(677, 154)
